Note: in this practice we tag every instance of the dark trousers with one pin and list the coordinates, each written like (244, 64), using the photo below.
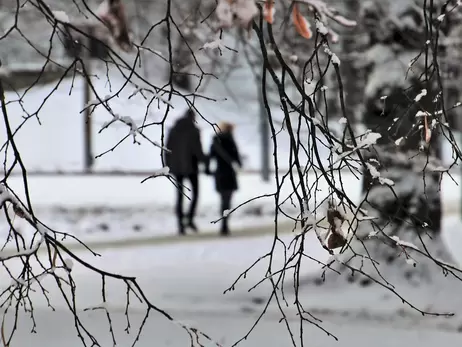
(225, 196)
(193, 179)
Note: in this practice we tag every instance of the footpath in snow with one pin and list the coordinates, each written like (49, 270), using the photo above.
(101, 209)
(224, 328)
(120, 208)
(188, 280)
(192, 277)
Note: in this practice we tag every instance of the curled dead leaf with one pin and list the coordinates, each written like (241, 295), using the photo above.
(55, 256)
(335, 240)
(428, 132)
(428, 135)
(301, 24)
(268, 11)
(3, 334)
(19, 211)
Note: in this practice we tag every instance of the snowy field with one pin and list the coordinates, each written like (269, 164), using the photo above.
(188, 281)
(226, 329)
(52, 137)
(58, 126)
(188, 278)
(118, 208)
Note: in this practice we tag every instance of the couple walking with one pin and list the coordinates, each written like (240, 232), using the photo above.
(186, 153)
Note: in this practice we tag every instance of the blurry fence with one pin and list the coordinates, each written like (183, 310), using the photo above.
(141, 173)
(25, 76)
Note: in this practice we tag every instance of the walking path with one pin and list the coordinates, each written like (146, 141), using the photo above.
(174, 238)
(284, 227)
(106, 193)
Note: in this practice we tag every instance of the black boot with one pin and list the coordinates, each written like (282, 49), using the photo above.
(181, 228)
(224, 228)
(192, 226)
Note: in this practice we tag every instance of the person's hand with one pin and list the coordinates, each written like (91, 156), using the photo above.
(237, 167)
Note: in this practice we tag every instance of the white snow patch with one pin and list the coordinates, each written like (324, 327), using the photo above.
(217, 43)
(400, 242)
(322, 29)
(411, 261)
(376, 174)
(420, 95)
(61, 16)
(335, 59)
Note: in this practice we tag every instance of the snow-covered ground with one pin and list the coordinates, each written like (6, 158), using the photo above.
(226, 329)
(188, 280)
(119, 208)
(96, 208)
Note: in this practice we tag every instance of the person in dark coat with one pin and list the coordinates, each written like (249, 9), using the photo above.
(184, 142)
(226, 155)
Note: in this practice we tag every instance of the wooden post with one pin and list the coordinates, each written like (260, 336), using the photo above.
(87, 126)
(264, 133)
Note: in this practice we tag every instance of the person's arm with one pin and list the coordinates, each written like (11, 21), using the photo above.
(197, 146)
(168, 145)
(212, 154)
(235, 152)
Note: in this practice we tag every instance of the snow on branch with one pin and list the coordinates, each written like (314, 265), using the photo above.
(376, 175)
(369, 139)
(6, 196)
(420, 95)
(165, 171)
(156, 95)
(134, 130)
(402, 243)
(241, 13)
(61, 16)
(324, 12)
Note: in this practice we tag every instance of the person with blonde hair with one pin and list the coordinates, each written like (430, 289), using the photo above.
(226, 155)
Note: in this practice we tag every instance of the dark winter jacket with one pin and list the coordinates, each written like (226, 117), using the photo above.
(184, 142)
(224, 151)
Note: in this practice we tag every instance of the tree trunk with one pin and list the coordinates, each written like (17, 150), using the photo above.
(401, 179)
